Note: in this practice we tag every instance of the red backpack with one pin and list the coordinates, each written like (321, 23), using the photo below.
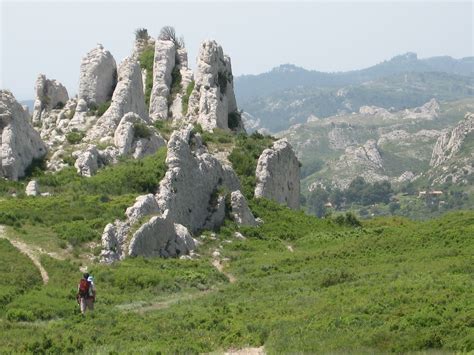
(84, 288)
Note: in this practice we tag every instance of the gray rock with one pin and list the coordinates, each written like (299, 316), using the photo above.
(191, 185)
(128, 97)
(213, 100)
(87, 161)
(278, 175)
(32, 189)
(161, 237)
(240, 210)
(19, 143)
(127, 142)
(144, 205)
(98, 76)
(165, 61)
(49, 94)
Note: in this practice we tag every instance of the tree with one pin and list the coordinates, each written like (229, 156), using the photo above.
(316, 201)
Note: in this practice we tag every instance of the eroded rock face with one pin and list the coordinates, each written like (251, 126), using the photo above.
(451, 160)
(19, 143)
(87, 161)
(278, 175)
(128, 141)
(450, 143)
(240, 210)
(161, 237)
(49, 94)
(128, 97)
(212, 103)
(165, 61)
(177, 110)
(190, 198)
(98, 76)
(190, 188)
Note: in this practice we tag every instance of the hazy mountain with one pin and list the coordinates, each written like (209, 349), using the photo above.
(289, 94)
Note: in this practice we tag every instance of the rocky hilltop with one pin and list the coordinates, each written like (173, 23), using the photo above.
(377, 144)
(148, 101)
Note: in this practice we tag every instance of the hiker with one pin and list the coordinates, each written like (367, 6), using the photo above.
(86, 293)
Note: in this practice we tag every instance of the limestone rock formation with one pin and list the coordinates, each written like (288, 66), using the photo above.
(133, 137)
(98, 76)
(161, 237)
(165, 61)
(190, 198)
(49, 94)
(177, 109)
(278, 175)
(128, 97)
(19, 143)
(450, 143)
(190, 188)
(240, 210)
(32, 189)
(212, 103)
(87, 161)
(452, 158)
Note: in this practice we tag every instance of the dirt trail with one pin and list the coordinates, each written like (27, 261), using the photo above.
(28, 251)
(217, 263)
(247, 351)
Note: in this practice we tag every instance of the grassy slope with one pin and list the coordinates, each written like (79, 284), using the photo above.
(393, 285)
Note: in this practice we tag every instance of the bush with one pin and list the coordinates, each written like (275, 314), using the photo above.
(185, 101)
(222, 82)
(75, 137)
(141, 33)
(59, 106)
(234, 119)
(175, 85)
(146, 62)
(103, 108)
(141, 130)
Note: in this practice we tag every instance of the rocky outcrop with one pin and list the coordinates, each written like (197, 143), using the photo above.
(212, 103)
(340, 138)
(240, 211)
(49, 94)
(32, 189)
(128, 97)
(450, 143)
(177, 109)
(165, 61)
(134, 138)
(278, 175)
(98, 76)
(407, 176)
(20, 144)
(87, 161)
(190, 197)
(451, 160)
(191, 187)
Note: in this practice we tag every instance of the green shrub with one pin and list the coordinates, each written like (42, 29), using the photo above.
(185, 100)
(141, 33)
(59, 106)
(75, 137)
(176, 86)
(234, 119)
(222, 82)
(244, 159)
(141, 130)
(103, 108)
(146, 62)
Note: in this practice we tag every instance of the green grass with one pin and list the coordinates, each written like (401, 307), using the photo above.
(393, 285)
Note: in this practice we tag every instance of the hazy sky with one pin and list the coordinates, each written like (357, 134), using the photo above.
(52, 37)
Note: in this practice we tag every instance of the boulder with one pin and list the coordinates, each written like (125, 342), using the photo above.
(98, 76)
(161, 237)
(212, 103)
(165, 61)
(32, 189)
(240, 210)
(87, 161)
(128, 140)
(20, 144)
(50, 94)
(278, 175)
(128, 97)
(144, 205)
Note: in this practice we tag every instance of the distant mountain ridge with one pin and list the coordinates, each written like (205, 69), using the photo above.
(289, 94)
(290, 75)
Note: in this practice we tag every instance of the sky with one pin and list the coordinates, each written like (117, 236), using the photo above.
(52, 37)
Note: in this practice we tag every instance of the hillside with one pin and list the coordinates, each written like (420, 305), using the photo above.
(288, 94)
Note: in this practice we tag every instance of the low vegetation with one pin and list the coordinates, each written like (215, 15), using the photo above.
(146, 62)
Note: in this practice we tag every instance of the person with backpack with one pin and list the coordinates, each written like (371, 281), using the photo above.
(86, 293)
